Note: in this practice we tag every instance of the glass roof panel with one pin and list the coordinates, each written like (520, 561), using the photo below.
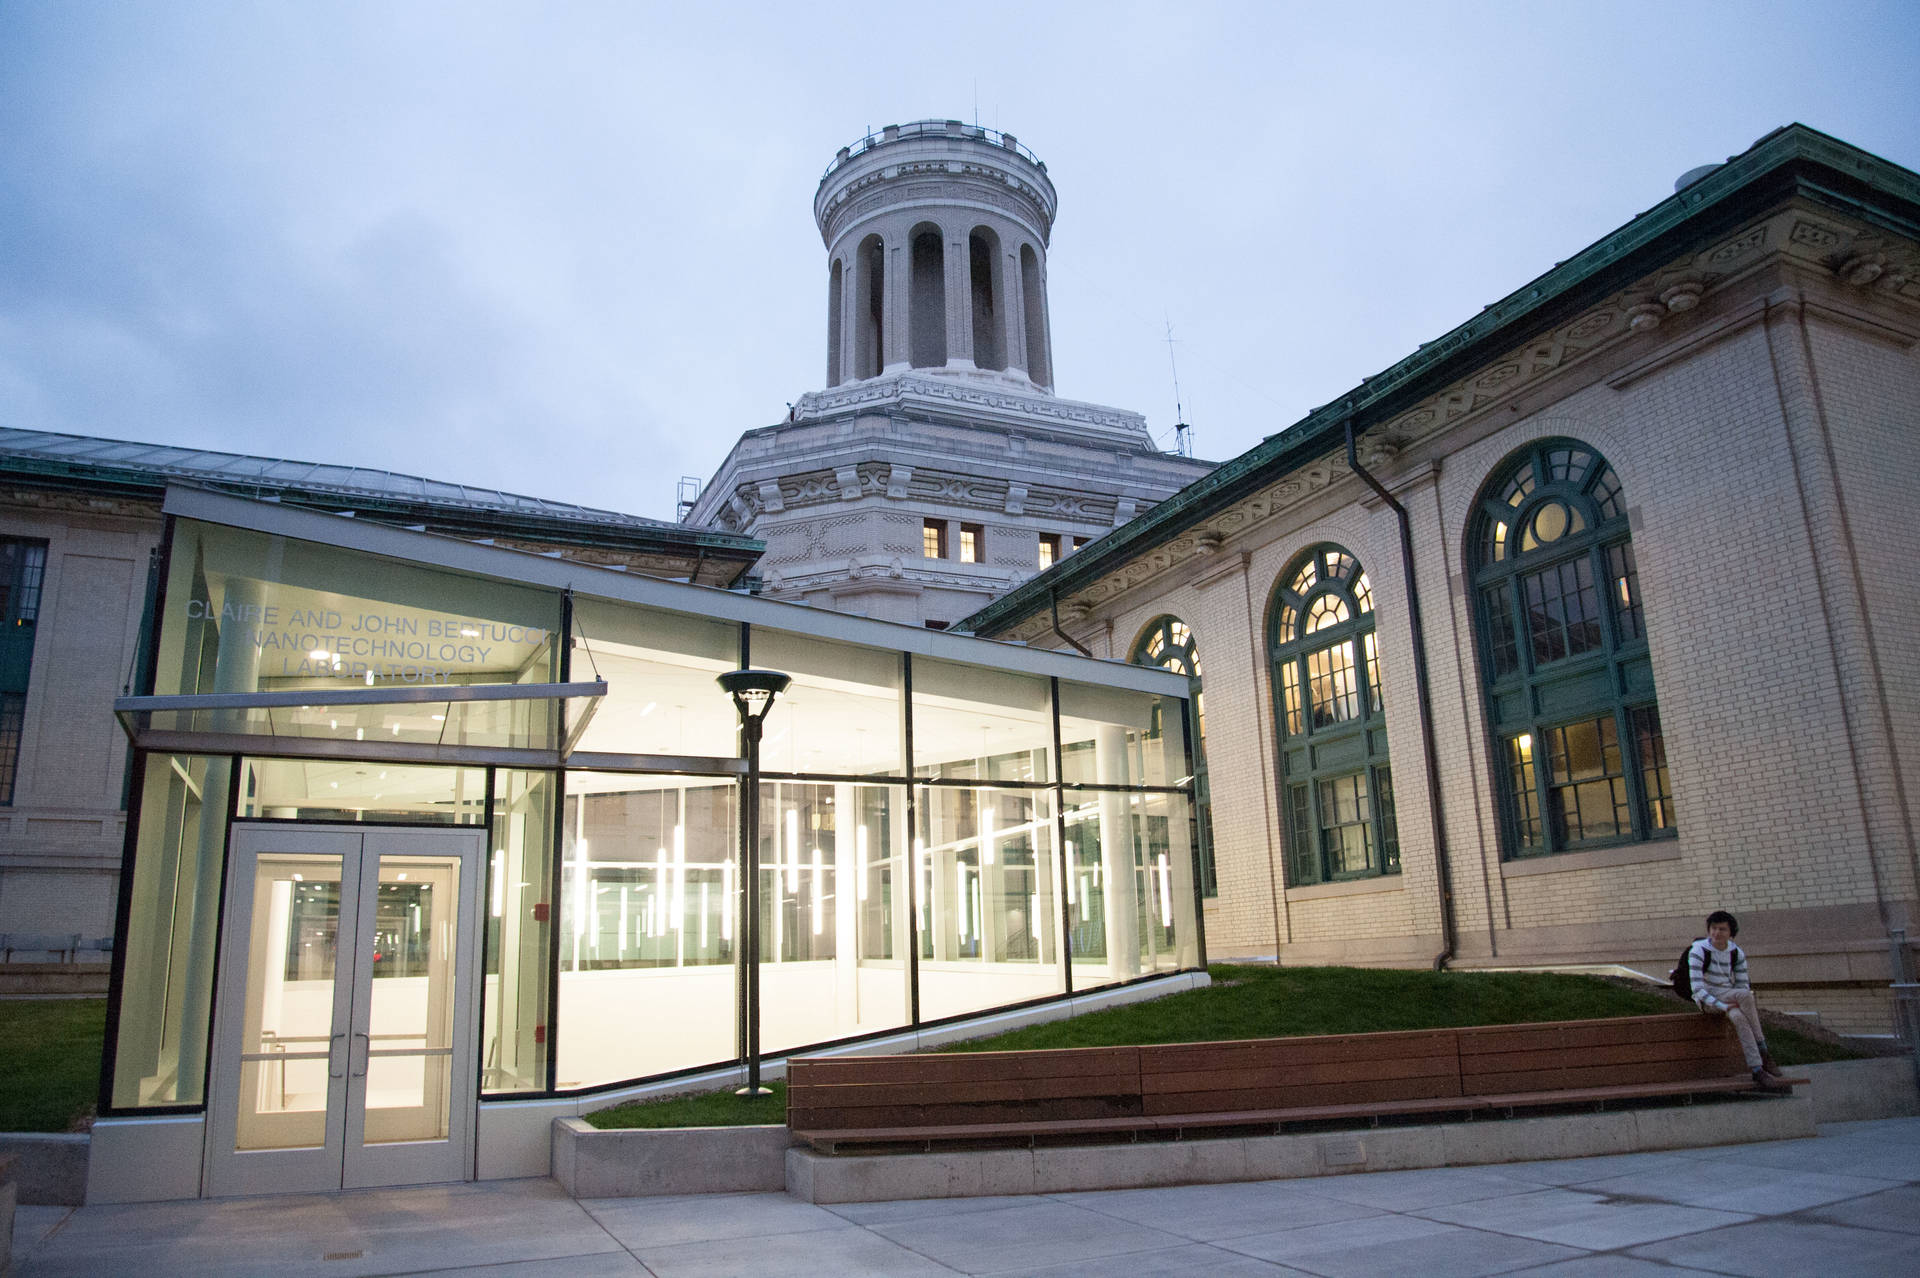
(447, 718)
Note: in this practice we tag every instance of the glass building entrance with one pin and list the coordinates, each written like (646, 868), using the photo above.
(946, 828)
(343, 1052)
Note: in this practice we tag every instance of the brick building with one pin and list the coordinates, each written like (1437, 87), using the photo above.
(1648, 521)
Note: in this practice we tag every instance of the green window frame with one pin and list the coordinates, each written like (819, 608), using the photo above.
(1336, 782)
(1564, 661)
(23, 567)
(1168, 644)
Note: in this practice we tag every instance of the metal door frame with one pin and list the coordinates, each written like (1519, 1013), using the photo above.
(227, 1171)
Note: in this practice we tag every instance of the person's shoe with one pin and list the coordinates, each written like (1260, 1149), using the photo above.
(1770, 1082)
(1766, 1062)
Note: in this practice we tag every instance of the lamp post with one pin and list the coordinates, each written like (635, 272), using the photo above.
(753, 692)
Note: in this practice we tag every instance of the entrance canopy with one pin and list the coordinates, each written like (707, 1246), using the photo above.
(515, 724)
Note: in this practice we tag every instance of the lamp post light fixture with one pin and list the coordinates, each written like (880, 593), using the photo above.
(753, 692)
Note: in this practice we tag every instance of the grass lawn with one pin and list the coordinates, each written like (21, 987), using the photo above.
(49, 1062)
(709, 1109)
(1280, 1002)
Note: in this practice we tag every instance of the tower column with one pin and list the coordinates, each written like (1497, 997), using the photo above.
(849, 316)
(1014, 306)
(898, 306)
(958, 262)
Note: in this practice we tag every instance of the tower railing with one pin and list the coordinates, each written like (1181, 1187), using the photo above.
(933, 129)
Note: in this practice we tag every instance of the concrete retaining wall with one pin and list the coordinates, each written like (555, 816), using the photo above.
(1849, 1091)
(50, 1169)
(7, 1195)
(641, 1162)
(848, 1178)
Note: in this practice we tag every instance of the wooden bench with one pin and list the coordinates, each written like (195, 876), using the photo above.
(1170, 1089)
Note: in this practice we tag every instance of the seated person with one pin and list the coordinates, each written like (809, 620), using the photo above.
(1718, 970)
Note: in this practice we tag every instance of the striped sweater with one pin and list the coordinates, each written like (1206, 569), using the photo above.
(1715, 972)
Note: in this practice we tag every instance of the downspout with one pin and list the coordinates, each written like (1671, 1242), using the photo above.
(1423, 695)
(1053, 601)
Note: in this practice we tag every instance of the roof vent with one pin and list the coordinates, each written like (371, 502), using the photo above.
(1691, 176)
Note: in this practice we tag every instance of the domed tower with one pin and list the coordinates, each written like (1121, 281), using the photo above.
(937, 468)
(936, 235)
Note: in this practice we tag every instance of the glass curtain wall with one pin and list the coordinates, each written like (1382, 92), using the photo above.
(987, 857)
(253, 612)
(648, 890)
(988, 922)
(832, 845)
(1025, 840)
(357, 790)
(1129, 854)
(649, 864)
(659, 668)
(514, 1012)
(832, 911)
(160, 1048)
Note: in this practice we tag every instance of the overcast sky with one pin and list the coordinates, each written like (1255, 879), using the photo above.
(568, 248)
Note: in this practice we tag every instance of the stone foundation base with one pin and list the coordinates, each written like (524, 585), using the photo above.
(852, 1178)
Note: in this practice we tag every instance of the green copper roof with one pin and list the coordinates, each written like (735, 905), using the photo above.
(133, 469)
(1790, 161)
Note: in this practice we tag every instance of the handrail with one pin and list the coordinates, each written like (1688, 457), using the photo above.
(933, 128)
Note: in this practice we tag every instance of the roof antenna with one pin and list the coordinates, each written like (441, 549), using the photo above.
(1182, 433)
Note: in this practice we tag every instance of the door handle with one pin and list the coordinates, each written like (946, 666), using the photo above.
(332, 1047)
(366, 1052)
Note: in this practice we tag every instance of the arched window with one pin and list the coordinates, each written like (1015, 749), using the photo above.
(1563, 653)
(836, 289)
(869, 302)
(1168, 643)
(1337, 787)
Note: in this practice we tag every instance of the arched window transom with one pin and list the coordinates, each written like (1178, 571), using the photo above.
(1568, 679)
(1337, 785)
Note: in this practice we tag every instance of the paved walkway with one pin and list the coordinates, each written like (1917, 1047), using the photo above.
(1846, 1202)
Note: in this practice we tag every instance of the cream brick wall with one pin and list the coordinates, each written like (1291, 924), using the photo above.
(1868, 388)
(61, 839)
(1347, 918)
(1855, 1009)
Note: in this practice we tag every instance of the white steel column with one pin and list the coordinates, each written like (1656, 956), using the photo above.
(848, 881)
(1122, 896)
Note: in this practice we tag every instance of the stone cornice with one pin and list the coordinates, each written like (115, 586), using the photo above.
(961, 164)
(79, 501)
(927, 488)
(870, 425)
(905, 570)
(935, 396)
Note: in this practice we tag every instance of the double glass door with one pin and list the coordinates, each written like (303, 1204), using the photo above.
(344, 1044)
